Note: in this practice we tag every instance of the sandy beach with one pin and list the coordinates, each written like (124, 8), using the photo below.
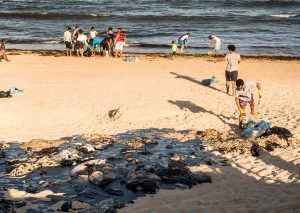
(65, 96)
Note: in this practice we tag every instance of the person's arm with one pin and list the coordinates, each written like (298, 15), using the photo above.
(258, 86)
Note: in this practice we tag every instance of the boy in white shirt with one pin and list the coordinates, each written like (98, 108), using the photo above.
(68, 41)
(244, 95)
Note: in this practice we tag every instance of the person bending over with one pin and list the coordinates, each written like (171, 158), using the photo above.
(244, 96)
(183, 41)
(214, 43)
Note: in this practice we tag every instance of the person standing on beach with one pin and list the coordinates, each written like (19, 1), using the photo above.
(68, 41)
(183, 41)
(75, 36)
(214, 43)
(81, 40)
(231, 72)
(111, 34)
(3, 50)
(120, 42)
(244, 95)
(174, 48)
(93, 34)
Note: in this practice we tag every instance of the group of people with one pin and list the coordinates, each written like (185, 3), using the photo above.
(105, 43)
(242, 91)
(182, 42)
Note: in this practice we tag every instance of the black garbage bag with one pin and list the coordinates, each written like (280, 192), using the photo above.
(280, 131)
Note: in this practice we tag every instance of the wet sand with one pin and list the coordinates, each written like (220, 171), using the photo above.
(67, 96)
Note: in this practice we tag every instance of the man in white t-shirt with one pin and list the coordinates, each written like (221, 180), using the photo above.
(244, 95)
(231, 72)
(93, 34)
(68, 41)
(81, 41)
(214, 42)
(183, 41)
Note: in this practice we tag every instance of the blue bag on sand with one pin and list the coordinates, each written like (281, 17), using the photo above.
(15, 90)
(253, 130)
(209, 81)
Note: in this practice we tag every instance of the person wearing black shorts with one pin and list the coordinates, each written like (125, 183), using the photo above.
(231, 72)
(68, 41)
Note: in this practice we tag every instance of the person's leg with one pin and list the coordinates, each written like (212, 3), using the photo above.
(81, 51)
(233, 87)
(70, 51)
(5, 57)
(252, 106)
(66, 51)
(227, 77)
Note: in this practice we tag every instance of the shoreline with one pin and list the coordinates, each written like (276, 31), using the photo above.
(59, 53)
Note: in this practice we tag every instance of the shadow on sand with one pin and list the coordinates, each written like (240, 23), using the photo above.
(188, 78)
(198, 109)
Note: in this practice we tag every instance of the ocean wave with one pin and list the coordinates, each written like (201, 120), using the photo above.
(46, 15)
(285, 15)
(52, 42)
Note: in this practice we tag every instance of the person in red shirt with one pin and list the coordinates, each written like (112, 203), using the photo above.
(120, 41)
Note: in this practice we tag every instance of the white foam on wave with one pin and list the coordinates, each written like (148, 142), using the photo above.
(51, 42)
(102, 14)
(285, 15)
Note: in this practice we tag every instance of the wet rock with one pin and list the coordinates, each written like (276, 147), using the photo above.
(169, 146)
(2, 153)
(8, 206)
(105, 206)
(101, 146)
(46, 151)
(67, 154)
(66, 207)
(31, 189)
(67, 163)
(143, 181)
(82, 169)
(101, 179)
(87, 148)
(111, 191)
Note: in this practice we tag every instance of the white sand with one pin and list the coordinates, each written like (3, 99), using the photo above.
(66, 96)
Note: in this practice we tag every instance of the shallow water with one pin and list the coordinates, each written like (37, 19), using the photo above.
(260, 27)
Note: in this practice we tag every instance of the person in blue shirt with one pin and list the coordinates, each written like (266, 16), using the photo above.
(96, 44)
